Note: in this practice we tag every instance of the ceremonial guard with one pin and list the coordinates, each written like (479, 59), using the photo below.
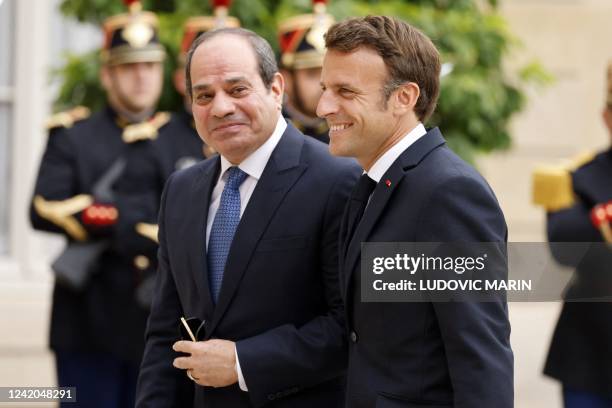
(97, 323)
(152, 161)
(578, 199)
(302, 45)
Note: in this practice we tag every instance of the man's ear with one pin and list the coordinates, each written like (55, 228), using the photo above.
(406, 97)
(277, 87)
(288, 77)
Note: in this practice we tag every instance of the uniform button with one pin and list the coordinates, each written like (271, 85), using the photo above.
(271, 397)
(141, 262)
(353, 337)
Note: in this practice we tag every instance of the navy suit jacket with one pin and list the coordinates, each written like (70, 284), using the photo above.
(427, 354)
(280, 298)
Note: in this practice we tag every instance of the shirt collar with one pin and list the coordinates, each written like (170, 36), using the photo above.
(390, 156)
(255, 163)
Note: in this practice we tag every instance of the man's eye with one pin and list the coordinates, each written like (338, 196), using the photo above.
(239, 90)
(203, 98)
(345, 92)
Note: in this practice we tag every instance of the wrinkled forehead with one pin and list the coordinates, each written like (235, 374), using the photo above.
(222, 57)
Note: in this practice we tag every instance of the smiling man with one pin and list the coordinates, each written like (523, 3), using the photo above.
(380, 82)
(248, 248)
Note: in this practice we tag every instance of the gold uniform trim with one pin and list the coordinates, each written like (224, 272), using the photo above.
(67, 118)
(552, 186)
(305, 59)
(126, 54)
(314, 26)
(145, 130)
(138, 34)
(61, 213)
(580, 160)
(141, 262)
(121, 20)
(305, 21)
(148, 231)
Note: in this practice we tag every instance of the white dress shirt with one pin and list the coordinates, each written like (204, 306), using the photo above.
(253, 166)
(385, 161)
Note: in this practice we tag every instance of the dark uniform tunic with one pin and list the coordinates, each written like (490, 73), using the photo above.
(580, 355)
(103, 316)
(149, 164)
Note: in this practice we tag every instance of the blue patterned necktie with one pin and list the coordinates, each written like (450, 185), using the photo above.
(223, 229)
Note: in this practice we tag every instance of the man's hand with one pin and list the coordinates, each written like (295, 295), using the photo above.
(211, 363)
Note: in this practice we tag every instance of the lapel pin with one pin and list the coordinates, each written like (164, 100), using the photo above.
(388, 182)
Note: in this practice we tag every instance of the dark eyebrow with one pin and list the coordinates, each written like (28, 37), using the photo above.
(229, 81)
(202, 87)
(235, 80)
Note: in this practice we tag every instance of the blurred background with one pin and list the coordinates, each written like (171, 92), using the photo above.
(524, 84)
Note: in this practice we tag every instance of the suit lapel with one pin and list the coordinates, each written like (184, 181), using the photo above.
(343, 243)
(198, 210)
(280, 174)
(378, 201)
(408, 160)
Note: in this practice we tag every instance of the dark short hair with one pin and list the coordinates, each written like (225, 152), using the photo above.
(409, 55)
(266, 60)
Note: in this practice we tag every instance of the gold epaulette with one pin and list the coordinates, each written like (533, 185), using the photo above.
(67, 118)
(145, 130)
(148, 231)
(552, 184)
(580, 160)
(61, 213)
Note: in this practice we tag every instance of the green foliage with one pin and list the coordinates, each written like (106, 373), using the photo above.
(80, 84)
(478, 97)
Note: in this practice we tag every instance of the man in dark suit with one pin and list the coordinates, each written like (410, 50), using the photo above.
(380, 81)
(248, 248)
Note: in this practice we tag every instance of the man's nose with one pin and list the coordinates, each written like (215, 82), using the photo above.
(222, 105)
(326, 105)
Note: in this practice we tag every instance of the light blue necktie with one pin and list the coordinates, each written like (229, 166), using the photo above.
(223, 229)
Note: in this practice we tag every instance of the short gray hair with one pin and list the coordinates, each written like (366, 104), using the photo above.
(266, 59)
